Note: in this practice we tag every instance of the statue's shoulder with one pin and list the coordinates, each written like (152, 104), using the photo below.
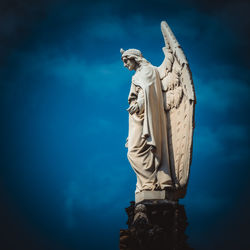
(144, 70)
(146, 67)
(145, 75)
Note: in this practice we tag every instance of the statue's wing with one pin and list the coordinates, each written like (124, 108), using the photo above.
(179, 103)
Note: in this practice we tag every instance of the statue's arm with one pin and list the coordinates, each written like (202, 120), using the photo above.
(136, 100)
(140, 101)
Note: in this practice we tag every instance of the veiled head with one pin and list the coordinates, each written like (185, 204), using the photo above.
(131, 53)
(132, 58)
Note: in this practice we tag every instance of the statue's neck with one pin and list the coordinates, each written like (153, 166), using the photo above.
(139, 66)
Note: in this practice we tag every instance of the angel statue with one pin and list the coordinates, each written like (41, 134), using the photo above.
(161, 119)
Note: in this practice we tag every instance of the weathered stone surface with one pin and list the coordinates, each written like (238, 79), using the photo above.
(150, 195)
(161, 121)
(153, 196)
(162, 196)
(155, 226)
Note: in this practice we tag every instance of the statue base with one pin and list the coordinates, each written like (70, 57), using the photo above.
(157, 196)
(155, 226)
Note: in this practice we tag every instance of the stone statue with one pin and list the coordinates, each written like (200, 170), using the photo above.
(161, 121)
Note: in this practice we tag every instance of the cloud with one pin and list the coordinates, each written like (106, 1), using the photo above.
(221, 93)
(227, 140)
(64, 93)
(106, 29)
(99, 78)
(90, 192)
(206, 203)
(207, 143)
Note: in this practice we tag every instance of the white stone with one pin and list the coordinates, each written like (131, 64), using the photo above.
(150, 195)
(160, 196)
(161, 120)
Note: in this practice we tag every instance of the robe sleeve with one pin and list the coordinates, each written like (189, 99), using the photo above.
(132, 94)
(140, 100)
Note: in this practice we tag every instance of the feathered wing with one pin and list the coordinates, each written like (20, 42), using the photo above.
(179, 103)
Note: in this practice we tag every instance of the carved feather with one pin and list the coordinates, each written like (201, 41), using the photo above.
(179, 101)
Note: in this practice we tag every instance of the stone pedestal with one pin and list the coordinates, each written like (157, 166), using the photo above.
(153, 196)
(155, 224)
(150, 196)
(159, 196)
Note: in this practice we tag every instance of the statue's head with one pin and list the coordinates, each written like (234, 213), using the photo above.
(132, 58)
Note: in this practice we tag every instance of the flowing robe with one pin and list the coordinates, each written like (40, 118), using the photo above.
(147, 139)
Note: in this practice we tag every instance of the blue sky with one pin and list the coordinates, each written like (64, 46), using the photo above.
(65, 178)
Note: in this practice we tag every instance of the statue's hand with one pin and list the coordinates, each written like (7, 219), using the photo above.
(126, 144)
(133, 108)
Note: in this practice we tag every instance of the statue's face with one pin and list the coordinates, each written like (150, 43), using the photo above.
(129, 63)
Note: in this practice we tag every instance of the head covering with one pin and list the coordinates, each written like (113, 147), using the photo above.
(131, 52)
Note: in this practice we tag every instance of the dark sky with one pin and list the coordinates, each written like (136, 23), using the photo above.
(64, 176)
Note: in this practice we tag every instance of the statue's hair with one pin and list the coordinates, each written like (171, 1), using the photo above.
(134, 54)
(138, 59)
